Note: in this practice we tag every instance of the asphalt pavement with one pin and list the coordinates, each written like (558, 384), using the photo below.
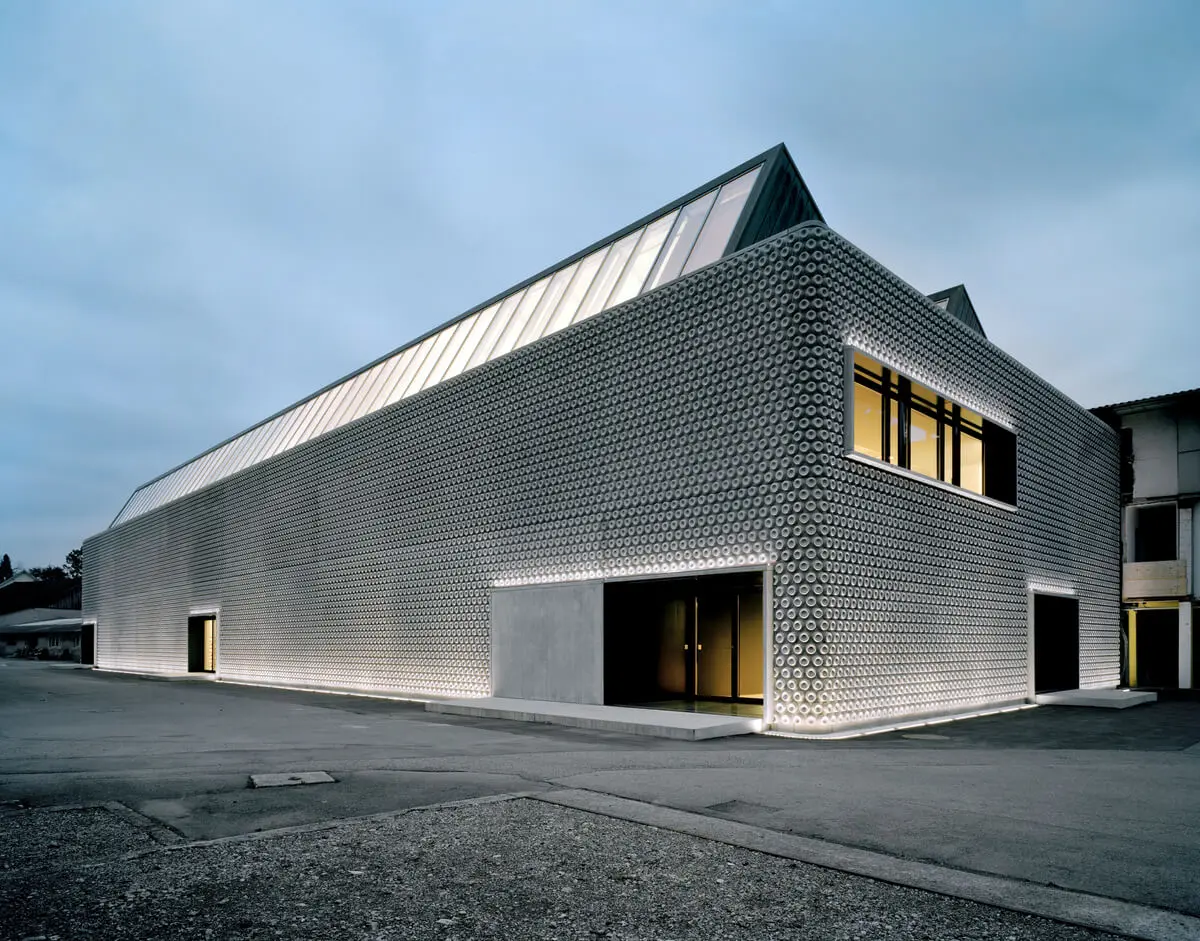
(1095, 805)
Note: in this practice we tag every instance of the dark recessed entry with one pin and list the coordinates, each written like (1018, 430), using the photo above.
(695, 638)
(1154, 648)
(202, 644)
(1055, 643)
(87, 644)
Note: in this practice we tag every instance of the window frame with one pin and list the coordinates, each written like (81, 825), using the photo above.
(894, 386)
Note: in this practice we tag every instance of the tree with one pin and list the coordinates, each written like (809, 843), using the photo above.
(5, 568)
(75, 563)
(49, 573)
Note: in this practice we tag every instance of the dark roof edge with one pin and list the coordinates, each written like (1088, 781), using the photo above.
(725, 177)
(774, 159)
(960, 306)
(1137, 405)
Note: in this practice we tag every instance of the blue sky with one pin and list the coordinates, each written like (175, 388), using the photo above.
(209, 210)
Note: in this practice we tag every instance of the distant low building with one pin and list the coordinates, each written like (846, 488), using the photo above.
(57, 631)
(1160, 488)
(25, 590)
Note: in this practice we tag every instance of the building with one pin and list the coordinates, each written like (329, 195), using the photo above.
(1160, 487)
(49, 633)
(40, 616)
(25, 590)
(721, 455)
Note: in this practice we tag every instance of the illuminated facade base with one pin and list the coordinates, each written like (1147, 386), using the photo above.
(701, 424)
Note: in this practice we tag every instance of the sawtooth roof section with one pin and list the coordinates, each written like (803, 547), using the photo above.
(751, 202)
(957, 303)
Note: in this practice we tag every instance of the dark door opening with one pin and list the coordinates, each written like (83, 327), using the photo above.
(1055, 643)
(1154, 648)
(202, 644)
(686, 639)
(87, 644)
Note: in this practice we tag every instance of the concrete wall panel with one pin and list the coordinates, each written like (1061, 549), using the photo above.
(547, 642)
(1155, 454)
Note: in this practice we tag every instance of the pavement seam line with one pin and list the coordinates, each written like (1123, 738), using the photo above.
(1065, 905)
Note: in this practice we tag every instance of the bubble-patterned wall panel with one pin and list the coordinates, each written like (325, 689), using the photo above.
(699, 426)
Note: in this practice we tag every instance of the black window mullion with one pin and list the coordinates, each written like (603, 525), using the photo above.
(885, 417)
(956, 431)
(941, 445)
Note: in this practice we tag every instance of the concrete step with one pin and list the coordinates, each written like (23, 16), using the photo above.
(1098, 698)
(660, 723)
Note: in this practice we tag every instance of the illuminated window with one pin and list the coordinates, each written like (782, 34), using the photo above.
(924, 432)
(907, 424)
(970, 445)
(868, 407)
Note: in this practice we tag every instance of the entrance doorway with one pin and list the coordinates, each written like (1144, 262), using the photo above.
(686, 640)
(87, 644)
(1055, 643)
(202, 644)
(1154, 647)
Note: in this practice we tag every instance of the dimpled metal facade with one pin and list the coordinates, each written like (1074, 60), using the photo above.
(700, 426)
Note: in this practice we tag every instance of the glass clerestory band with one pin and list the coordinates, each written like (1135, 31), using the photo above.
(674, 244)
(901, 422)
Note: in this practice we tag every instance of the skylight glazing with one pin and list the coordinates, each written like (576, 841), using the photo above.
(677, 242)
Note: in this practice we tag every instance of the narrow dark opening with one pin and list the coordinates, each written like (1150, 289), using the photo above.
(87, 644)
(1154, 533)
(1156, 648)
(202, 644)
(684, 640)
(1000, 463)
(1055, 643)
(1127, 463)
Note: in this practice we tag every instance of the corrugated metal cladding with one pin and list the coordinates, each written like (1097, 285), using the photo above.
(698, 426)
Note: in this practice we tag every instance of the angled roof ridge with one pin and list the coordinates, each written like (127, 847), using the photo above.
(959, 305)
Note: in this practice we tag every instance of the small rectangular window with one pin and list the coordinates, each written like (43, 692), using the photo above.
(923, 430)
(970, 461)
(1000, 463)
(895, 431)
(1154, 535)
(868, 421)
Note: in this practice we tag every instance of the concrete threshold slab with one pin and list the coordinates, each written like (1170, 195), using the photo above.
(290, 779)
(1097, 698)
(660, 723)
(1065, 905)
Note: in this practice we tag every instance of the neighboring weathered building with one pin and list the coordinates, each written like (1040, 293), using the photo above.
(1160, 487)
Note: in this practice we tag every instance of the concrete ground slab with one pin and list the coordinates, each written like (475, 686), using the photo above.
(1075, 908)
(290, 779)
(660, 723)
(1097, 698)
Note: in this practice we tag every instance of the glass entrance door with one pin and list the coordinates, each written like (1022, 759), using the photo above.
(684, 639)
(716, 615)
